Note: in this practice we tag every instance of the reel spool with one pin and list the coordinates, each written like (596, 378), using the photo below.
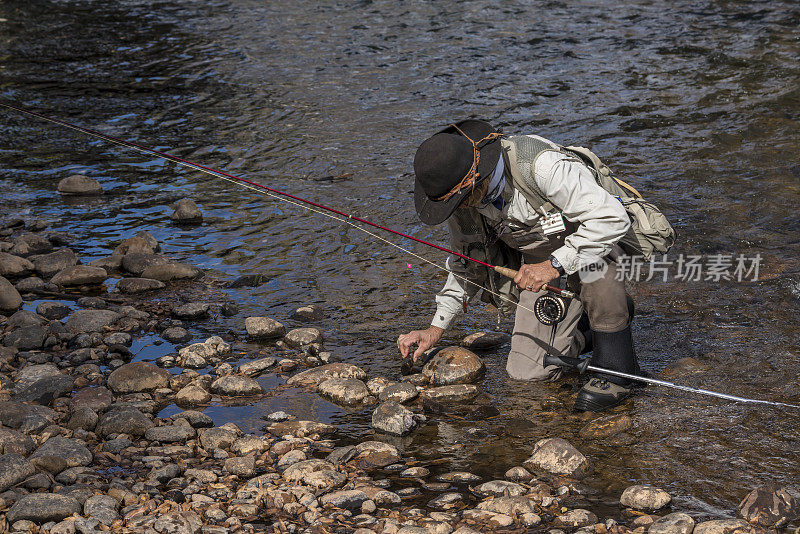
(550, 309)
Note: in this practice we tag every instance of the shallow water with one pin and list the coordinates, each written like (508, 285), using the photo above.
(697, 103)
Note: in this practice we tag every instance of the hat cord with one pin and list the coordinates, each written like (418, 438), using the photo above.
(472, 174)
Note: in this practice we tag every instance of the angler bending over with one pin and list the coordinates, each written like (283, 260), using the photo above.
(529, 204)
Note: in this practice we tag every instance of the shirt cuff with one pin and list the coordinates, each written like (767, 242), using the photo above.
(568, 258)
(443, 319)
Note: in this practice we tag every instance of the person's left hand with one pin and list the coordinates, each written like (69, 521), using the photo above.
(534, 276)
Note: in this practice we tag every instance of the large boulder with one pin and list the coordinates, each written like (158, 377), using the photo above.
(454, 365)
(560, 457)
(26, 338)
(47, 265)
(138, 377)
(10, 299)
(317, 375)
(14, 266)
(43, 507)
(78, 184)
(80, 275)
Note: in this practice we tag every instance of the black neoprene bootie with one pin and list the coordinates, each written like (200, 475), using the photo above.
(612, 351)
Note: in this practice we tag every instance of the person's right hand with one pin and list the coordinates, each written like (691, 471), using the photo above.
(424, 339)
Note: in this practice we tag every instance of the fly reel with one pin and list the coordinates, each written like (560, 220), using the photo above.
(550, 309)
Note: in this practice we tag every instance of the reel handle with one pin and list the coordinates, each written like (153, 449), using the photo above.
(511, 273)
(565, 361)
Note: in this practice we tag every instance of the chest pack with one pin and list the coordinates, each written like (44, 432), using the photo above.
(650, 232)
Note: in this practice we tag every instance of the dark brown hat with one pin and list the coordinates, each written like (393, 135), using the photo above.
(446, 170)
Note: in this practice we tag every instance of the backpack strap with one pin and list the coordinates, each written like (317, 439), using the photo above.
(524, 180)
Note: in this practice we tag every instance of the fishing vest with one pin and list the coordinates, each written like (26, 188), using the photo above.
(470, 235)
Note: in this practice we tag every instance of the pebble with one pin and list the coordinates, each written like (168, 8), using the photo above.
(511, 506)
(263, 328)
(518, 474)
(197, 355)
(192, 310)
(347, 499)
(192, 395)
(236, 386)
(101, 507)
(454, 393)
(347, 391)
(80, 275)
(242, 466)
(186, 212)
(78, 184)
(14, 468)
(498, 488)
(415, 472)
(257, 367)
(453, 365)
(393, 418)
(377, 384)
(446, 501)
(645, 498)
(462, 477)
(559, 457)
(169, 433)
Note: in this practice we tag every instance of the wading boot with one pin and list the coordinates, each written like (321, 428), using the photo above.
(613, 351)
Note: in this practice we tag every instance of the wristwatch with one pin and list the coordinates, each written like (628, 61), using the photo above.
(557, 265)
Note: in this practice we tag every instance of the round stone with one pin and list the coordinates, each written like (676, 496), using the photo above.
(454, 365)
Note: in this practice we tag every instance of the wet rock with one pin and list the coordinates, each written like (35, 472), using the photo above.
(186, 212)
(399, 392)
(10, 299)
(101, 507)
(138, 377)
(96, 398)
(606, 426)
(373, 455)
(454, 365)
(577, 518)
(724, 526)
(519, 474)
(454, 393)
(257, 367)
(43, 507)
(14, 266)
(446, 501)
(346, 391)
(169, 433)
(297, 428)
(26, 338)
(79, 275)
(136, 262)
(511, 506)
(308, 313)
(197, 355)
(645, 498)
(415, 472)
(53, 310)
(167, 272)
(192, 395)
(300, 337)
(72, 450)
(194, 418)
(314, 377)
(498, 488)
(91, 320)
(675, 523)
(109, 264)
(393, 418)
(47, 265)
(78, 184)
(484, 340)
(142, 242)
(378, 384)
(263, 327)
(346, 499)
(769, 507)
(176, 334)
(14, 469)
(13, 442)
(236, 386)
(192, 310)
(123, 421)
(241, 466)
(28, 244)
(684, 367)
(134, 286)
(30, 285)
(458, 476)
(560, 457)
(46, 389)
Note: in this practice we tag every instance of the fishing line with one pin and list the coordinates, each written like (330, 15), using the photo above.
(348, 219)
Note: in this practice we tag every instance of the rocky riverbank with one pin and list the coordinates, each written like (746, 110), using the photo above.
(86, 448)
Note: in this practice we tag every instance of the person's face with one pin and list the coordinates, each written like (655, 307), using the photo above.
(477, 196)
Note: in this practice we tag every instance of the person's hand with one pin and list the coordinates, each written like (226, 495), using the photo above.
(533, 277)
(424, 339)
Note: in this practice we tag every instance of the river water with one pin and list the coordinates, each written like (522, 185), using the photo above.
(697, 102)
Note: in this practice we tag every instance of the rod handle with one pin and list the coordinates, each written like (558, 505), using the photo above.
(511, 273)
(565, 361)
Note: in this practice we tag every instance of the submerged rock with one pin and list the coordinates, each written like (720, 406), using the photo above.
(560, 457)
(79, 275)
(393, 418)
(769, 507)
(78, 184)
(606, 426)
(138, 377)
(675, 523)
(176, 334)
(14, 266)
(236, 386)
(498, 488)
(645, 498)
(510, 506)
(263, 327)
(257, 367)
(192, 310)
(186, 211)
(308, 313)
(454, 365)
(298, 428)
(134, 286)
(314, 377)
(10, 299)
(446, 501)
(344, 390)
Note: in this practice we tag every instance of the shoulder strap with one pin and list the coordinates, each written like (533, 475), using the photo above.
(523, 180)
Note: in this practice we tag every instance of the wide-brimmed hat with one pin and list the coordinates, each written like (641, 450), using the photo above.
(450, 164)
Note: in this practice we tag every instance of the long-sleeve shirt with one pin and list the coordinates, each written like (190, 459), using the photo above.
(570, 186)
